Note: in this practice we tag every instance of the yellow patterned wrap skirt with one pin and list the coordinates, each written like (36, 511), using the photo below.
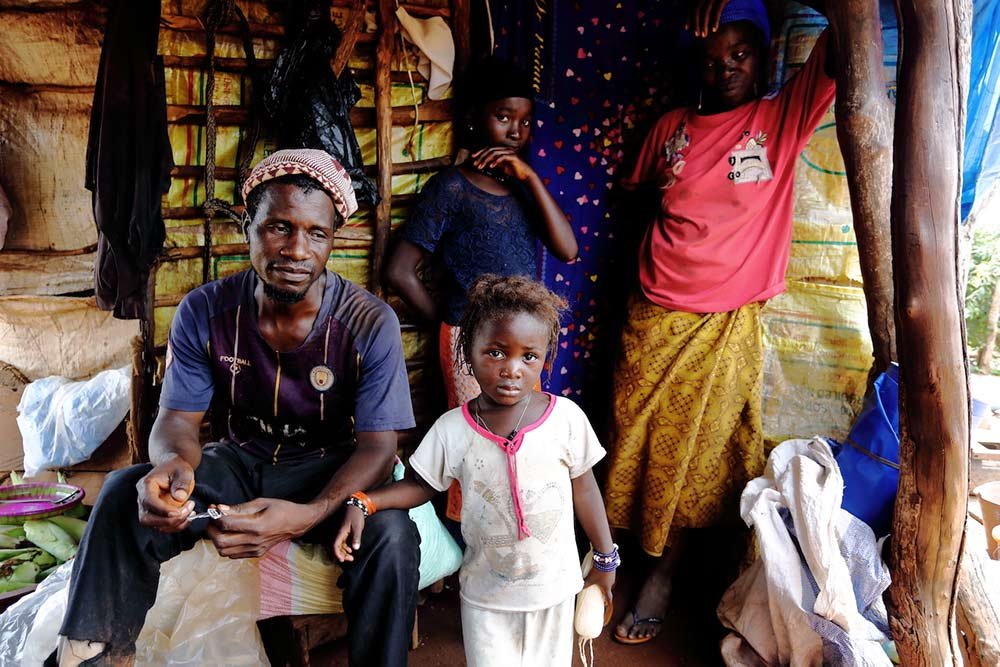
(687, 419)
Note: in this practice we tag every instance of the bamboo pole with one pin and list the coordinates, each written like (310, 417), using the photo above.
(931, 503)
(383, 131)
(864, 130)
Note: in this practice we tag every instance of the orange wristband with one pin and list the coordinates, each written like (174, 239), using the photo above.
(363, 498)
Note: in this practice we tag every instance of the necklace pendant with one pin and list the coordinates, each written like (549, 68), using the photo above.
(509, 440)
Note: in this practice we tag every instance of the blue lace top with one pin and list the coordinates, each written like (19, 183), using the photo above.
(471, 232)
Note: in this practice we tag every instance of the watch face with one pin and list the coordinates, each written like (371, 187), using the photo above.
(321, 378)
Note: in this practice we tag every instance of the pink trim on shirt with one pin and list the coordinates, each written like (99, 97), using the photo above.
(510, 448)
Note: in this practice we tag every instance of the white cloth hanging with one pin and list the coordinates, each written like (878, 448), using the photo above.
(433, 39)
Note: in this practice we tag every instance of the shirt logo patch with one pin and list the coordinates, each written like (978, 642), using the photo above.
(321, 378)
(749, 161)
(234, 363)
(673, 150)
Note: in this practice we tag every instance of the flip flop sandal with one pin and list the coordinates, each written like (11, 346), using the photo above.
(652, 620)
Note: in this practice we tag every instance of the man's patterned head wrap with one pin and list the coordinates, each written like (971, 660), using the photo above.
(317, 165)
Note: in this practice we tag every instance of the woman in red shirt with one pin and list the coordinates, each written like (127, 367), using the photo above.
(687, 395)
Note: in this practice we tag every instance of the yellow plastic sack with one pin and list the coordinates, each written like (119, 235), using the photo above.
(817, 352)
(823, 242)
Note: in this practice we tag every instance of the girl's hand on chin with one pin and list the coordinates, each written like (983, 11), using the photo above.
(504, 159)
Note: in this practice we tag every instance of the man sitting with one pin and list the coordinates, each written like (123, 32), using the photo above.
(305, 378)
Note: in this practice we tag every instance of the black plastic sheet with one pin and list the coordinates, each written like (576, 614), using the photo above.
(308, 106)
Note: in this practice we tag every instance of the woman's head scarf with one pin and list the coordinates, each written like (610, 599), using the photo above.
(753, 11)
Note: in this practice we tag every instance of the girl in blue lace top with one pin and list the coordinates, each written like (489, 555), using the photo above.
(483, 216)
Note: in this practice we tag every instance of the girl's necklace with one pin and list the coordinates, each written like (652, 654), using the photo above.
(517, 426)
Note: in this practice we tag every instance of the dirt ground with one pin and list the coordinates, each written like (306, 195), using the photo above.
(690, 635)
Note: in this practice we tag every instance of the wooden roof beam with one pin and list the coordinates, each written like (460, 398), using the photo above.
(430, 111)
(399, 169)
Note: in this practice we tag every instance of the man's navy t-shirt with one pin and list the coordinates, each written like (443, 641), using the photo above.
(348, 375)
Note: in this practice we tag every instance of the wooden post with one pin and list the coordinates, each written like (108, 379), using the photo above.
(461, 28)
(352, 29)
(864, 129)
(931, 504)
(383, 132)
(978, 614)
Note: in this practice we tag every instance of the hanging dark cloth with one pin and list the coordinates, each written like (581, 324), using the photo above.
(307, 105)
(128, 156)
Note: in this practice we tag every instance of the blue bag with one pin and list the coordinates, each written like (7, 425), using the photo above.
(439, 554)
(869, 459)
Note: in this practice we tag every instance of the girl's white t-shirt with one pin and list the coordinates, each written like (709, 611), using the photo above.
(499, 572)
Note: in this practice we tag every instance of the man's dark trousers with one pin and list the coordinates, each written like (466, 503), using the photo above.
(117, 567)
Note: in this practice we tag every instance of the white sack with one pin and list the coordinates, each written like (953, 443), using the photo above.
(823, 605)
(62, 422)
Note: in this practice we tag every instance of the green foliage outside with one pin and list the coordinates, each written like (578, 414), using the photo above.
(984, 273)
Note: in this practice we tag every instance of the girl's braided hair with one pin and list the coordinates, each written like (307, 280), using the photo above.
(494, 297)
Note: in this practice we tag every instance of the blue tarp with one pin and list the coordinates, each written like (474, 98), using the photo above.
(982, 129)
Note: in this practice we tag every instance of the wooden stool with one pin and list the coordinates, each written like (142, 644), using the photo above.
(288, 639)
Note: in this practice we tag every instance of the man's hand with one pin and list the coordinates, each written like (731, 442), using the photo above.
(249, 530)
(164, 495)
(348, 539)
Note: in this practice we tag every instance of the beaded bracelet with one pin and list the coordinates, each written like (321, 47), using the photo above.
(354, 502)
(607, 562)
(362, 502)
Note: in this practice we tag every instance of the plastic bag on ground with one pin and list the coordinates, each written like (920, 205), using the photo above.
(43, 637)
(205, 612)
(28, 628)
(62, 422)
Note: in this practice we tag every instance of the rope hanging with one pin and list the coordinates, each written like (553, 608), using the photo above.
(217, 14)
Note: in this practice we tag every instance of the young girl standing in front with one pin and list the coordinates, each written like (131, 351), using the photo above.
(484, 216)
(524, 459)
